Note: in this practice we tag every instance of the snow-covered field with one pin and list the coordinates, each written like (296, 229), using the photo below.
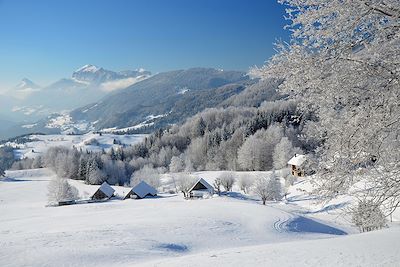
(43, 142)
(234, 230)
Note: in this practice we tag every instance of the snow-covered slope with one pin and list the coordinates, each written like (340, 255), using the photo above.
(231, 230)
(378, 248)
(90, 142)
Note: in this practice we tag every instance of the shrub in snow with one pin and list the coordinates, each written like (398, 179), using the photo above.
(368, 216)
(227, 180)
(60, 190)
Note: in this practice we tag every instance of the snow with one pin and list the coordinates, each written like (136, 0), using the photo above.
(88, 68)
(41, 143)
(107, 189)
(297, 160)
(143, 189)
(148, 122)
(183, 91)
(231, 230)
(370, 249)
(59, 121)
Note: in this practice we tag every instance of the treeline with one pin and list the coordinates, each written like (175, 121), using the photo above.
(225, 139)
(255, 139)
(6, 158)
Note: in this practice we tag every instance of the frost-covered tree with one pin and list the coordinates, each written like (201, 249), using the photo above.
(268, 188)
(260, 188)
(368, 216)
(256, 152)
(184, 183)
(245, 182)
(197, 153)
(217, 185)
(283, 152)
(147, 174)
(274, 187)
(94, 174)
(60, 190)
(37, 162)
(227, 180)
(177, 164)
(343, 64)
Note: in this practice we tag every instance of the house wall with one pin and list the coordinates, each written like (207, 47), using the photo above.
(297, 171)
(99, 195)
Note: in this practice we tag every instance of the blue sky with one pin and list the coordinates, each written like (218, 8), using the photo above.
(45, 40)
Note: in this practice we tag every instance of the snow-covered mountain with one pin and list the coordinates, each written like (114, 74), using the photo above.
(24, 89)
(161, 100)
(95, 75)
(27, 84)
(28, 101)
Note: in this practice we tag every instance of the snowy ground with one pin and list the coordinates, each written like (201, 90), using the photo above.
(233, 230)
(43, 142)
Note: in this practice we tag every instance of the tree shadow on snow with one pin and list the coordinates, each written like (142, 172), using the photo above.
(173, 247)
(301, 198)
(305, 225)
(240, 196)
(328, 208)
(12, 180)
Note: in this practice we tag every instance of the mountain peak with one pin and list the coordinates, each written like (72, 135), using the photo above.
(25, 83)
(88, 68)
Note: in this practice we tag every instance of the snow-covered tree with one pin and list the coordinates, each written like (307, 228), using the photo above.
(368, 216)
(227, 180)
(177, 164)
(274, 187)
(37, 162)
(217, 185)
(256, 152)
(260, 188)
(342, 64)
(147, 174)
(245, 182)
(283, 152)
(268, 188)
(60, 190)
(184, 183)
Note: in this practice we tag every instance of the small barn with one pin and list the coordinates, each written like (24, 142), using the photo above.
(141, 190)
(105, 191)
(201, 189)
(296, 165)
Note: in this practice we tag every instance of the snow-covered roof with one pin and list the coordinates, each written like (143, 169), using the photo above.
(297, 160)
(203, 182)
(107, 189)
(143, 189)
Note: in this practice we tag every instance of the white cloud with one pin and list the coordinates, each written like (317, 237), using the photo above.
(122, 83)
